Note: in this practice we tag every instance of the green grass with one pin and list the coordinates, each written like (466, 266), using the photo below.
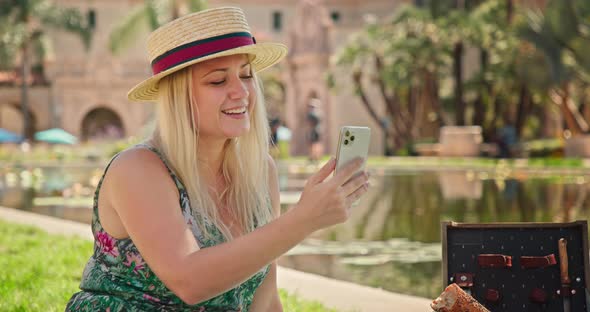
(63, 201)
(292, 303)
(40, 271)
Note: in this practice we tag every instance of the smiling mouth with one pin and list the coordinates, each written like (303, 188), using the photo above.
(236, 111)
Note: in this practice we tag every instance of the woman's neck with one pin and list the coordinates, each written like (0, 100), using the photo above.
(210, 158)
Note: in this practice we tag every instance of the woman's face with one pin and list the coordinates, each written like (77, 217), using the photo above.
(225, 96)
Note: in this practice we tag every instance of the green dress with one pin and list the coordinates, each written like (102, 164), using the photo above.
(116, 278)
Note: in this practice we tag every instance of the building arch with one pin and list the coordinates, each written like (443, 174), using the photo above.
(11, 119)
(102, 123)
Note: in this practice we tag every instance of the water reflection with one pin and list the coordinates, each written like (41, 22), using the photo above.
(460, 184)
(393, 238)
(411, 205)
(56, 191)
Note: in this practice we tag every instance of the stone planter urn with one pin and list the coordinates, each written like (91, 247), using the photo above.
(577, 146)
(459, 185)
(460, 141)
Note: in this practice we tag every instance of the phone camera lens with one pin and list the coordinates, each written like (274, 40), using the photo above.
(352, 138)
(345, 142)
(347, 133)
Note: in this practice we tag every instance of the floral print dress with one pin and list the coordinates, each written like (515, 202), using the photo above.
(116, 278)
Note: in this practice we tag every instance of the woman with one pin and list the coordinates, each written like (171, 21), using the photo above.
(189, 220)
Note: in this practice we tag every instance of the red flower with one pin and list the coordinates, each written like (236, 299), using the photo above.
(107, 244)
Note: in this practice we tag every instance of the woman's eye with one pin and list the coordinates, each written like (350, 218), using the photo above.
(220, 82)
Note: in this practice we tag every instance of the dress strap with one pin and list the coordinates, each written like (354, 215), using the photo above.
(175, 177)
(96, 225)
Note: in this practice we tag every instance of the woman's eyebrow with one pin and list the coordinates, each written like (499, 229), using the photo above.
(224, 69)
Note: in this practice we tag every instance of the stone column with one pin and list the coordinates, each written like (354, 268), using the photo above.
(308, 61)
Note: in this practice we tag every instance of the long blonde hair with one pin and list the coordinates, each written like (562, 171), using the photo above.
(245, 159)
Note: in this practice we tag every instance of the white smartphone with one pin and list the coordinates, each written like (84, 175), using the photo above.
(353, 142)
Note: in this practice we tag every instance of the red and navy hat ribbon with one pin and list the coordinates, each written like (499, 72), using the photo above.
(200, 48)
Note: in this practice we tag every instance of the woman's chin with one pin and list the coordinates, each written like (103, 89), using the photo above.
(236, 133)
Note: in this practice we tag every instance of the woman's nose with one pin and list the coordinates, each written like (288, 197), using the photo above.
(238, 89)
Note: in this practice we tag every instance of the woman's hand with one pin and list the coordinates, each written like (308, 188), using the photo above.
(327, 202)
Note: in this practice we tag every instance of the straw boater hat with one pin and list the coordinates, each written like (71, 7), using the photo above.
(198, 37)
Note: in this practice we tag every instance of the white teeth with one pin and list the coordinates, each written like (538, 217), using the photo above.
(236, 111)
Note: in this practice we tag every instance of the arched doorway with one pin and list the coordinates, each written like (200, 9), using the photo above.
(11, 119)
(102, 124)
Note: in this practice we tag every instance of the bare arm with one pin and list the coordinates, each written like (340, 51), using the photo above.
(146, 201)
(267, 297)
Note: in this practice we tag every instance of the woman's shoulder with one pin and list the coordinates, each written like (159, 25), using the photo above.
(138, 171)
(138, 162)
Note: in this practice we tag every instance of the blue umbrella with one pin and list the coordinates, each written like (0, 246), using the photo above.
(56, 136)
(9, 137)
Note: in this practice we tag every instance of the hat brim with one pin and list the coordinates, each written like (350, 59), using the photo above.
(265, 55)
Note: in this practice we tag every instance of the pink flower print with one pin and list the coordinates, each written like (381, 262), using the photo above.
(107, 244)
(134, 258)
(202, 309)
(148, 297)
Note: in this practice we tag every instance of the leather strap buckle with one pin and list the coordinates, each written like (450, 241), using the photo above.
(527, 262)
(494, 261)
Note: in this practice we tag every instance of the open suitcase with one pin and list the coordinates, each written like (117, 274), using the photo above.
(518, 267)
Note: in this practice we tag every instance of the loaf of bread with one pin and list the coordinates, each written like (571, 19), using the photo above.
(454, 299)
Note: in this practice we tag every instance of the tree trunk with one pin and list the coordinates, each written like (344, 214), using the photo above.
(25, 69)
(552, 123)
(399, 125)
(492, 129)
(479, 111)
(524, 105)
(509, 10)
(432, 89)
(357, 80)
(458, 77)
(573, 119)
(479, 104)
(584, 105)
(416, 111)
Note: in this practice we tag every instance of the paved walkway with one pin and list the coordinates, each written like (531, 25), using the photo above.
(341, 295)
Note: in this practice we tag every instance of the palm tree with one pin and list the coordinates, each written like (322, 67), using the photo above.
(153, 14)
(402, 57)
(560, 34)
(22, 29)
(496, 83)
(455, 18)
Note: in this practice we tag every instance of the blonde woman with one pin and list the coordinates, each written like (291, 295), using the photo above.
(189, 220)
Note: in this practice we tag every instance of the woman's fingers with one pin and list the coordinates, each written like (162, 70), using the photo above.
(357, 194)
(323, 173)
(354, 183)
(348, 171)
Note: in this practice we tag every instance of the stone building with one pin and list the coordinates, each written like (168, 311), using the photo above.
(87, 93)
